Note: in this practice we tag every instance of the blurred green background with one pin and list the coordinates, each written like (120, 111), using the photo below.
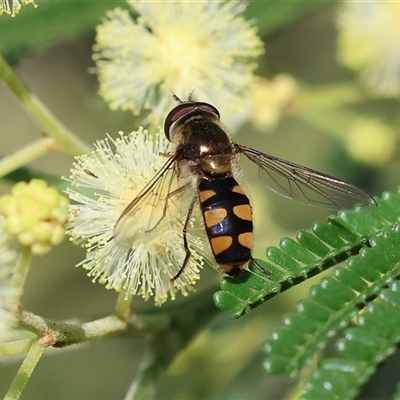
(51, 48)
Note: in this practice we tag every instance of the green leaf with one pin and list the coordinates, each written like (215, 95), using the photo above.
(360, 300)
(50, 23)
(372, 339)
(327, 244)
(334, 380)
(272, 16)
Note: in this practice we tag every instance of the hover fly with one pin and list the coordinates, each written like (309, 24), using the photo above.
(205, 152)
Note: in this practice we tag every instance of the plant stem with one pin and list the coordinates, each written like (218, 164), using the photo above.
(19, 276)
(326, 107)
(18, 347)
(69, 142)
(25, 371)
(61, 334)
(123, 305)
(186, 320)
(147, 378)
(27, 154)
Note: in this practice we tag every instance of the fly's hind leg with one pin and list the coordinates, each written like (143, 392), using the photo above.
(185, 243)
(259, 267)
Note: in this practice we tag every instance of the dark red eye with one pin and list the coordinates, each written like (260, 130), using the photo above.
(183, 109)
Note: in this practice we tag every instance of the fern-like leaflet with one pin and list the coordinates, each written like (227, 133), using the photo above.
(361, 298)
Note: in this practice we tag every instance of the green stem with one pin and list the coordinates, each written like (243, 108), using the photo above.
(26, 155)
(25, 371)
(103, 327)
(70, 143)
(185, 321)
(123, 306)
(19, 276)
(61, 334)
(18, 347)
(326, 107)
(150, 370)
(335, 122)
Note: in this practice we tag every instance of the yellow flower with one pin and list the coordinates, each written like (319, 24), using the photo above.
(369, 43)
(36, 214)
(12, 7)
(269, 99)
(178, 47)
(371, 142)
(144, 256)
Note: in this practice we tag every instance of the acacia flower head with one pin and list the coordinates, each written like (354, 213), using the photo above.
(178, 46)
(12, 7)
(147, 251)
(369, 43)
(269, 99)
(371, 141)
(36, 213)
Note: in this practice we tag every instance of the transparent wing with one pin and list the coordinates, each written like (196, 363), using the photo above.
(147, 210)
(306, 185)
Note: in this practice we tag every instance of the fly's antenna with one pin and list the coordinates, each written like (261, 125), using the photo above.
(176, 98)
(191, 97)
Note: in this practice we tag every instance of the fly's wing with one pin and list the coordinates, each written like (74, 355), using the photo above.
(306, 185)
(148, 209)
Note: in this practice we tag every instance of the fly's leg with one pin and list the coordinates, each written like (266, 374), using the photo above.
(163, 154)
(259, 267)
(185, 243)
(172, 194)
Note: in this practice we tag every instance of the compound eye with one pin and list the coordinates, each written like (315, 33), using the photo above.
(176, 113)
(184, 109)
(208, 107)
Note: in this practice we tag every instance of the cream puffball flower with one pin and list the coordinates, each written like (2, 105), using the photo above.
(370, 141)
(178, 46)
(269, 100)
(12, 7)
(143, 256)
(369, 43)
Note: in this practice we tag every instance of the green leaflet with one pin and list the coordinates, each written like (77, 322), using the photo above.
(364, 298)
(360, 299)
(372, 336)
(325, 245)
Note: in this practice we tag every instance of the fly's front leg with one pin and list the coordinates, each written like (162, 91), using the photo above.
(185, 243)
(163, 154)
(174, 193)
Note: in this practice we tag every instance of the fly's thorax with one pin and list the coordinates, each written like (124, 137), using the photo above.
(203, 137)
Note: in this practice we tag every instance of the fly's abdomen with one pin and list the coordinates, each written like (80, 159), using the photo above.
(228, 221)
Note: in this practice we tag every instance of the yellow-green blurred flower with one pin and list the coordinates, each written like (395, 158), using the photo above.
(12, 7)
(269, 99)
(369, 43)
(8, 258)
(371, 141)
(36, 214)
(144, 255)
(176, 47)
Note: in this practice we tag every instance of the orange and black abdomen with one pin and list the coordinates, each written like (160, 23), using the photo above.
(228, 221)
